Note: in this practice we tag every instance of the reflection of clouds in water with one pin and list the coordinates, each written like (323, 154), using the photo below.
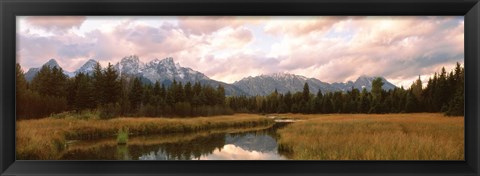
(153, 156)
(232, 152)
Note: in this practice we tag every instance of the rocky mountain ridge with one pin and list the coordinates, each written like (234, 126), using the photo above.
(166, 70)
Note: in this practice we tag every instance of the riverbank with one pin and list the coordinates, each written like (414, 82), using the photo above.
(43, 139)
(421, 136)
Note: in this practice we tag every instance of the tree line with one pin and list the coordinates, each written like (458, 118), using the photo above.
(113, 95)
(443, 93)
(50, 92)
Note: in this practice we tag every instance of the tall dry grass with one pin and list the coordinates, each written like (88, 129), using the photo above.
(44, 138)
(422, 136)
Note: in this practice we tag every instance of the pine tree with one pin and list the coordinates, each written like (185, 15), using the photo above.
(51, 82)
(318, 102)
(364, 105)
(136, 94)
(456, 106)
(98, 84)
(376, 104)
(220, 99)
(111, 85)
(411, 103)
(417, 90)
(170, 94)
(21, 83)
(377, 84)
(83, 98)
(306, 92)
(179, 93)
(20, 93)
(188, 92)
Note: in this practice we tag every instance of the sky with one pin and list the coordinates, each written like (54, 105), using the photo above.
(328, 48)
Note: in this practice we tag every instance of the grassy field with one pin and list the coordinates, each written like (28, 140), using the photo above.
(45, 138)
(422, 136)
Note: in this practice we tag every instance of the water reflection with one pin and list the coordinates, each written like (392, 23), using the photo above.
(233, 152)
(245, 145)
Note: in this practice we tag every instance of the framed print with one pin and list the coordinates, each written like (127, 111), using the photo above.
(239, 88)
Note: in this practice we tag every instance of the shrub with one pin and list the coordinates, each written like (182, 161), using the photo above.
(122, 136)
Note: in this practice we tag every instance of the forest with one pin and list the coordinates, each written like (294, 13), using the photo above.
(111, 95)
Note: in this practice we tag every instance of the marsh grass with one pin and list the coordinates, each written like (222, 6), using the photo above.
(43, 139)
(422, 136)
(82, 115)
(122, 136)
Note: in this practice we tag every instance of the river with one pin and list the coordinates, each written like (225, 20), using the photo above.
(256, 144)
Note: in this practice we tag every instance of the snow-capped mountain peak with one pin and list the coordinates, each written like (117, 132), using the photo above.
(167, 62)
(362, 82)
(52, 63)
(130, 65)
(88, 67)
(282, 82)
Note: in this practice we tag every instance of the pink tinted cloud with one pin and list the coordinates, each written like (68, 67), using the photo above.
(295, 27)
(331, 49)
(50, 23)
(377, 46)
(209, 24)
(130, 38)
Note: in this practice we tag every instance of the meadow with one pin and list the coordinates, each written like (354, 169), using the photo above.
(420, 136)
(416, 136)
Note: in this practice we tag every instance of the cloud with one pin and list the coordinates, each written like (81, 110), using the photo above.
(55, 23)
(209, 24)
(376, 46)
(305, 26)
(332, 49)
(232, 152)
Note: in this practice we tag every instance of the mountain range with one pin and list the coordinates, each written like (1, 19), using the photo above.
(166, 70)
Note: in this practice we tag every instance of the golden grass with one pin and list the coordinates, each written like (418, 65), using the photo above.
(45, 138)
(421, 136)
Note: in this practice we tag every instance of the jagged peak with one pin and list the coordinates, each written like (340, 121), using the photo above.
(91, 61)
(167, 61)
(133, 58)
(52, 63)
(286, 75)
(363, 76)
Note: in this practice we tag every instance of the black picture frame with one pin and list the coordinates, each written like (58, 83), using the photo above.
(9, 9)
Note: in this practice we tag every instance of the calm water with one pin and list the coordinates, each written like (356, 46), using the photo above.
(248, 145)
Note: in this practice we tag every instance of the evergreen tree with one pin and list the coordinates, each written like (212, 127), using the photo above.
(220, 98)
(411, 103)
(318, 102)
(377, 84)
(21, 83)
(50, 81)
(21, 90)
(136, 94)
(84, 98)
(417, 89)
(189, 92)
(306, 92)
(98, 84)
(111, 85)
